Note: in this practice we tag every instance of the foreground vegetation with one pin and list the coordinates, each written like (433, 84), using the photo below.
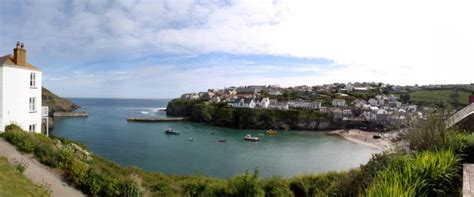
(429, 168)
(14, 183)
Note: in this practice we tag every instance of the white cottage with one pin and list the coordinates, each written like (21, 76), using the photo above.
(20, 92)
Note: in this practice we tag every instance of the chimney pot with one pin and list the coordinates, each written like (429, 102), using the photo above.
(22, 45)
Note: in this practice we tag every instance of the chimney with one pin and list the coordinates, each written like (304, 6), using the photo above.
(19, 54)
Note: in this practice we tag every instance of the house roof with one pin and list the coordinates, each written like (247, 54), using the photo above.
(8, 60)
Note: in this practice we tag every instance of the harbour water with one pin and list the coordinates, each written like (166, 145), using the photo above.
(107, 133)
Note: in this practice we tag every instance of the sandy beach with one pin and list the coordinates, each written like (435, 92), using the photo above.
(365, 138)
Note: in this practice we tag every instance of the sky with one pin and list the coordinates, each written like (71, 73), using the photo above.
(161, 49)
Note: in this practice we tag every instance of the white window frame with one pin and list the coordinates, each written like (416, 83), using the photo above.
(32, 80)
(32, 104)
(32, 128)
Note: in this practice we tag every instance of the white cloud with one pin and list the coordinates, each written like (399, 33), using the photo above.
(401, 42)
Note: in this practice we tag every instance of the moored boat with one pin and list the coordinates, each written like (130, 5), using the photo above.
(191, 139)
(221, 140)
(171, 131)
(271, 131)
(250, 138)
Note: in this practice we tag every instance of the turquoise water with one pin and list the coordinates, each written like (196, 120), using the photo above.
(107, 133)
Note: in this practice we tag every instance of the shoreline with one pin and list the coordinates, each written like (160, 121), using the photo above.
(363, 138)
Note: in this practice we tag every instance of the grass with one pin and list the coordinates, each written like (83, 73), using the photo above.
(14, 183)
(432, 97)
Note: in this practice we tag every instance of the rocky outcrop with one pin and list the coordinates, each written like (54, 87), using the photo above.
(246, 118)
(56, 103)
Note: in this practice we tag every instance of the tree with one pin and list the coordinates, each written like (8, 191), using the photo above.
(405, 98)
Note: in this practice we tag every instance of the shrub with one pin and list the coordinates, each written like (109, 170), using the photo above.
(201, 186)
(245, 185)
(276, 186)
(424, 174)
(426, 134)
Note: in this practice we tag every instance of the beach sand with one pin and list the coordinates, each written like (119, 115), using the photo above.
(365, 138)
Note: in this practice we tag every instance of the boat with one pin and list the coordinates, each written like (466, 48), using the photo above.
(213, 133)
(221, 140)
(171, 131)
(271, 131)
(191, 139)
(261, 134)
(250, 138)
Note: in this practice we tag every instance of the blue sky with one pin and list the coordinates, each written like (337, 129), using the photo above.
(160, 49)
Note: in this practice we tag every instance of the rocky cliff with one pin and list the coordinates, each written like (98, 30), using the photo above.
(246, 118)
(56, 103)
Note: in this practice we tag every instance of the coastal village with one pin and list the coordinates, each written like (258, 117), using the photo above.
(366, 105)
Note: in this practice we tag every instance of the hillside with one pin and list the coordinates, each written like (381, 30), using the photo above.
(56, 103)
(441, 98)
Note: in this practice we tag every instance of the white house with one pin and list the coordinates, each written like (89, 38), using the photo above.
(263, 102)
(244, 103)
(338, 102)
(20, 92)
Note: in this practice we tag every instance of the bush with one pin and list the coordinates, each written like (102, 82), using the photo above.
(245, 185)
(424, 174)
(426, 134)
(201, 186)
(276, 186)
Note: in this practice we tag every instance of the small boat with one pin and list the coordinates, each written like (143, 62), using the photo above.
(271, 131)
(221, 140)
(191, 139)
(250, 138)
(171, 131)
(213, 133)
(261, 134)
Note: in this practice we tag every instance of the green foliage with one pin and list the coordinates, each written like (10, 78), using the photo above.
(424, 174)
(245, 185)
(446, 97)
(14, 183)
(276, 186)
(95, 177)
(426, 134)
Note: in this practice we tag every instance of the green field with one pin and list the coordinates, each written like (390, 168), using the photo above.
(13, 183)
(433, 97)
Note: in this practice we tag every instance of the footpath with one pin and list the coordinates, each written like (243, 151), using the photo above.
(39, 173)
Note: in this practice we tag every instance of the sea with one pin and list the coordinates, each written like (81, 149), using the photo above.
(107, 133)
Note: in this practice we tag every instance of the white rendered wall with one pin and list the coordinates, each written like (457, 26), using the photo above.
(16, 92)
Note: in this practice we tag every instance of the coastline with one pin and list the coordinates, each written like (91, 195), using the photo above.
(364, 138)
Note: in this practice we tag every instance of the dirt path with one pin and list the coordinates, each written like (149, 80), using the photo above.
(39, 173)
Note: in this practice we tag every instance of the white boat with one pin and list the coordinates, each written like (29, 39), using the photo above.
(171, 131)
(191, 139)
(250, 138)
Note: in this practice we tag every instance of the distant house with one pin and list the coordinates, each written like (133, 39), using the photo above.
(263, 103)
(244, 103)
(275, 92)
(360, 89)
(216, 99)
(247, 92)
(274, 104)
(338, 102)
(373, 102)
(347, 112)
(304, 104)
(190, 96)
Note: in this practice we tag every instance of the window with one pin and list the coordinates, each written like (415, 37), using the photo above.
(32, 127)
(32, 79)
(32, 104)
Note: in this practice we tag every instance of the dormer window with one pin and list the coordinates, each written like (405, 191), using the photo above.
(32, 79)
